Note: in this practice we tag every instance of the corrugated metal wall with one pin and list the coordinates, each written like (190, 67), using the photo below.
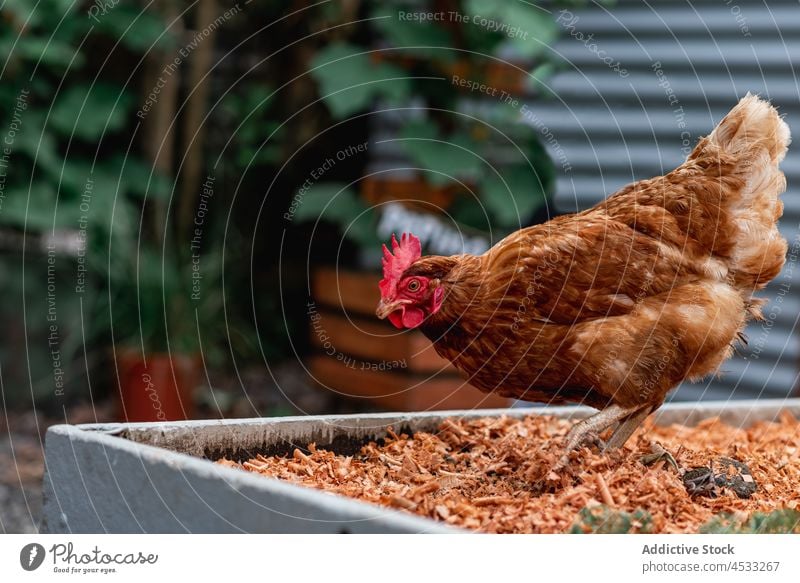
(637, 94)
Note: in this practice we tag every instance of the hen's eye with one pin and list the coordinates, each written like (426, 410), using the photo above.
(413, 285)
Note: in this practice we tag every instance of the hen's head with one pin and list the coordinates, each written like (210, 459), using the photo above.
(407, 297)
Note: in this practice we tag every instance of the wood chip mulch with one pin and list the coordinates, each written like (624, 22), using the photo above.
(494, 474)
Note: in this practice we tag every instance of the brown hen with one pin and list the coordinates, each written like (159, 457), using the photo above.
(614, 306)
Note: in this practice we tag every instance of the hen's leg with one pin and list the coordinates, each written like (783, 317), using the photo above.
(595, 424)
(626, 428)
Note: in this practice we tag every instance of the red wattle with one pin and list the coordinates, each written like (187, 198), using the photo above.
(407, 317)
(396, 318)
(413, 317)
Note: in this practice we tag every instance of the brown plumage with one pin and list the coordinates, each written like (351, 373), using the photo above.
(614, 306)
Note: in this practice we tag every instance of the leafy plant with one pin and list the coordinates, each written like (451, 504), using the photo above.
(781, 521)
(535, 21)
(497, 164)
(601, 519)
(69, 172)
(139, 30)
(255, 132)
(349, 81)
(337, 203)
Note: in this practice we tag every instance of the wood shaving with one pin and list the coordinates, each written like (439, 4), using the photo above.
(495, 474)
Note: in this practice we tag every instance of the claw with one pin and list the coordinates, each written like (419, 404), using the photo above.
(593, 438)
(659, 454)
(589, 439)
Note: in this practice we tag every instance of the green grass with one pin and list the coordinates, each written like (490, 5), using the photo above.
(783, 521)
(601, 519)
(604, 520)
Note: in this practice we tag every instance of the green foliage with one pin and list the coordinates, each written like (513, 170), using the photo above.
(601, 519)
(510, 192)
(65, 120)
(536, 22)
(449, 149)
(445, 158)
(424, 40)
(32, 208)
(151, 302)
(256, 135)
(139, 30)
(73, 162)
(37, 145)
(70, 168)
(137, 178)
(539, 78)
(782, 521)
(38, 13)
(90, 111)
(349, 81)
(338, 204)
(43, 51)
(513, 194)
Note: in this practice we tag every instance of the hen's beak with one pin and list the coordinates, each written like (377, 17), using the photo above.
(385, 308)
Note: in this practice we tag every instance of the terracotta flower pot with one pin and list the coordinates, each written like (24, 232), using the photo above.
(387, 189)
(159, 389)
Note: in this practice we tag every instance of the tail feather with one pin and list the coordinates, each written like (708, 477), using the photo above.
(750, 142)
(753, 123)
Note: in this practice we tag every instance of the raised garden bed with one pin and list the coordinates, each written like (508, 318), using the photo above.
(150, 477)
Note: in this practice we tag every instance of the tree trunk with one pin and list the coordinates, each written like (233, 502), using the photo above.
(159, 125)
(193, 131)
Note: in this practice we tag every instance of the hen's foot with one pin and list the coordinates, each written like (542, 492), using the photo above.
(659, 454)
(591, 427)
(588, 439)
(588, 430)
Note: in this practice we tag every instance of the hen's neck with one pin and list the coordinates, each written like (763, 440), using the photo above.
(462, 289)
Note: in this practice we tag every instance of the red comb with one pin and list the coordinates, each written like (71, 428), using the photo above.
(396, 261)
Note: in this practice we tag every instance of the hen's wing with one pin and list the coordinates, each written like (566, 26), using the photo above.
(584, 267)
(725, 196)
(714, 218)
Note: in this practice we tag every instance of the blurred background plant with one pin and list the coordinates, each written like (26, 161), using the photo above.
(89, 249)
(155, 149)
(463, 155)
(73, 189)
